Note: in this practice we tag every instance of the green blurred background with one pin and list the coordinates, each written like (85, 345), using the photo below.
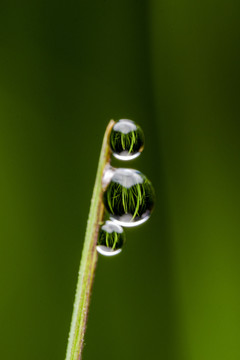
(66, 68)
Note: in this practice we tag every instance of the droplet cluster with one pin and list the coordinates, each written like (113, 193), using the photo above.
(128, 195)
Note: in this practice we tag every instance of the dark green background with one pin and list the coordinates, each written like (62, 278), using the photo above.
(66, 68)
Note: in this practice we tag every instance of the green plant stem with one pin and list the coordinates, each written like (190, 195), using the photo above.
(89, 258)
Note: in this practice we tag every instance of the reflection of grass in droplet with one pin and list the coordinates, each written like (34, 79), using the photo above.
(115, 241)
(110, 199)
(112, 240)
(139, 199)
(124, 199)
(133, 140)
(135, 200)
(121, 142)
(107, 243)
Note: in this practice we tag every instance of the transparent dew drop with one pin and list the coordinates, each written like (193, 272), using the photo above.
(126, 140)
(107, 175)
(129, 197)
(111, 239)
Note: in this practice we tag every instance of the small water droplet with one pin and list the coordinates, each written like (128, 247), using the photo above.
(126, 140)
(111, 239)
(129, 197)
(107, 175)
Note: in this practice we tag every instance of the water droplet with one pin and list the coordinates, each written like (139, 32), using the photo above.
(111, 239)
(107, 175)
(129, 197)
(126, 140)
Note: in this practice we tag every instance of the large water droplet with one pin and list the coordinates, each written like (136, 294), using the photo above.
(129, 197)
(111, 239)
(126, 140)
